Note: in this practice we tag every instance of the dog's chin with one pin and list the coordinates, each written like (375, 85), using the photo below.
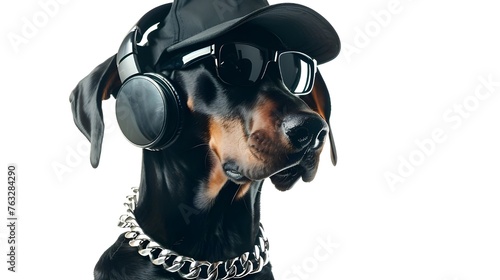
(306, 168)
(285, 179)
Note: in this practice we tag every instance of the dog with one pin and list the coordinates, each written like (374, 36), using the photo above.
(200, 196)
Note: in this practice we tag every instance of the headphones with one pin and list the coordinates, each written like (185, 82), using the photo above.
(148, 108)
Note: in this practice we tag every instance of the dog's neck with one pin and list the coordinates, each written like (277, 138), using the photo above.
(169, 214)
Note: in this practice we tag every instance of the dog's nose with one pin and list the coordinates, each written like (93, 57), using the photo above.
(304, 130)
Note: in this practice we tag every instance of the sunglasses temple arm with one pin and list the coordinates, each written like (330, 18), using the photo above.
(197, 55)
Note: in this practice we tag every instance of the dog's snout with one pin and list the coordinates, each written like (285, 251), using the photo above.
(304, 130)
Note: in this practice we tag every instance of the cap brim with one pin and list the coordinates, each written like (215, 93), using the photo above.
(298, 27)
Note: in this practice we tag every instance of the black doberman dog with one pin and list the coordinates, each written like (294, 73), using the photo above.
(200, 197)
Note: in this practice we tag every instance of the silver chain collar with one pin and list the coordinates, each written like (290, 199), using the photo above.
(186, 267)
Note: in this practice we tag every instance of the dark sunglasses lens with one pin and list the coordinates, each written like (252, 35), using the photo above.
(297, 72)
(240, 64)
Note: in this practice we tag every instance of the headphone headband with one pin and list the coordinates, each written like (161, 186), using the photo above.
(126, 58)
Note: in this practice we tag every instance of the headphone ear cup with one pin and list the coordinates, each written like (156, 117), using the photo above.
(148, 111)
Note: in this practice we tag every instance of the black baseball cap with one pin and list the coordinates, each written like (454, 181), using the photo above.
(193, 22)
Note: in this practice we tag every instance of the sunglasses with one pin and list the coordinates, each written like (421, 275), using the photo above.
(243, 64)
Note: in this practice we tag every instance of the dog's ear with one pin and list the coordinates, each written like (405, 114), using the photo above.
(319, 101)
(86, 104)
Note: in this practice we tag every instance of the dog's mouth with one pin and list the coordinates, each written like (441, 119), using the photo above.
(283, 179)
(235, 175)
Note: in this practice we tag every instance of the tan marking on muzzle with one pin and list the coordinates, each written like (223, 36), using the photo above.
(216, 180)
(228, 140)
(190, 104)
(242, 190)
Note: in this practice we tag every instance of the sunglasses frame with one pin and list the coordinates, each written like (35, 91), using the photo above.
(213, 51)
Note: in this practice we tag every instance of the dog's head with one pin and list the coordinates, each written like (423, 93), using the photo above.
(249, 132)
(262, 130)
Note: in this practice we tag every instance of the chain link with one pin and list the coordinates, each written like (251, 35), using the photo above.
(186, 267)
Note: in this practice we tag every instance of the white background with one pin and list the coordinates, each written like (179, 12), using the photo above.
(405, 67)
